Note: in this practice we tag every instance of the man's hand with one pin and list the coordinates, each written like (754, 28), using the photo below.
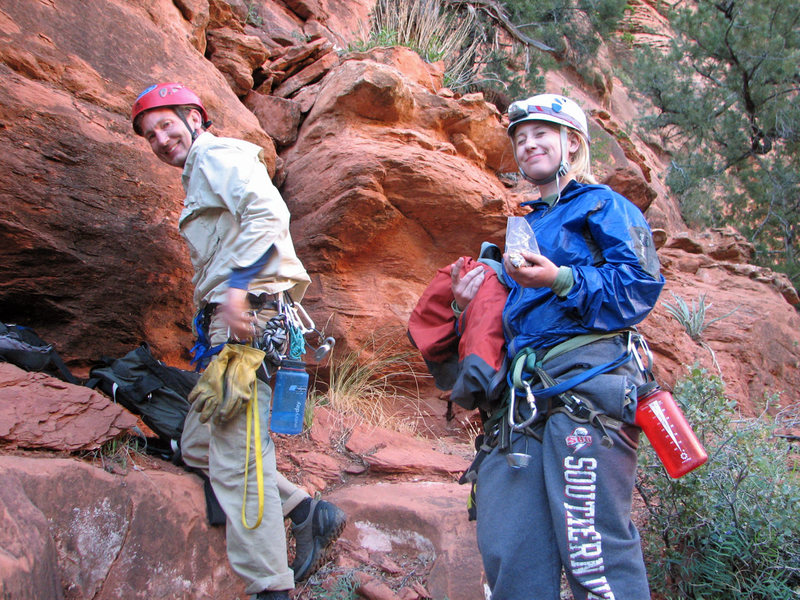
(238, 316)
(465, 287)
(539, 272)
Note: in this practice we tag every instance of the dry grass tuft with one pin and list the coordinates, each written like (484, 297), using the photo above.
(375, 384)
(432, 29)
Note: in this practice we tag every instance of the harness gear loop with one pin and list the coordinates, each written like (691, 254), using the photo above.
(581, 409)
(253, 422)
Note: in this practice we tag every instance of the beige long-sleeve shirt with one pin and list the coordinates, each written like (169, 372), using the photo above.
(232, 215)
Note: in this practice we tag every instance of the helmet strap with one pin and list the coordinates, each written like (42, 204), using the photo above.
(182, 117)
(563, 168)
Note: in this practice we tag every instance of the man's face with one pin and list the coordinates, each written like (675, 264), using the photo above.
(167, 135)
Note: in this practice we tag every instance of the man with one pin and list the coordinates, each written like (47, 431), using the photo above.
(237, 228)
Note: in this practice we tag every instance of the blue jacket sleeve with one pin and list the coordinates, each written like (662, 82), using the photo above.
(241, 278)
(622, 288)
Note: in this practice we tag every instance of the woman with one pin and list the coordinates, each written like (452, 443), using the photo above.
(555, 490)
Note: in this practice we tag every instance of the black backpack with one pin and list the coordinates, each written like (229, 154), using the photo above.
(154, 391)
(158, 394)
(21, 346)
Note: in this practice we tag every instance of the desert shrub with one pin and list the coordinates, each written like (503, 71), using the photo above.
(693, 319)
(728, 529)
(500, 48)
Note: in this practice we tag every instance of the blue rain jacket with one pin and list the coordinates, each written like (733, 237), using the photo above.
(607, 243)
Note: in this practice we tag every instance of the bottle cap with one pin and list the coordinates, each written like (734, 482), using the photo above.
(646, 389)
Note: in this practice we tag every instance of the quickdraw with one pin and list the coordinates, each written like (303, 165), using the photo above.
(284, 335)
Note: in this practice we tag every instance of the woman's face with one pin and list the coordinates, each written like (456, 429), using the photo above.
(537, 145)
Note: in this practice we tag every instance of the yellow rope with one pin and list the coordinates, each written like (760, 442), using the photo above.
(252, 419)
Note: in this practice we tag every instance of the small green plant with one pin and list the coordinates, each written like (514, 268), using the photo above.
(728, 529)
(118, 453)
(627, 39)
(344, 589)
(693, 319)
(253, 18)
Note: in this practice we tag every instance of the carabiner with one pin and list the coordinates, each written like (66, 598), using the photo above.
(512, 407)
(298, 317)
(636, 341)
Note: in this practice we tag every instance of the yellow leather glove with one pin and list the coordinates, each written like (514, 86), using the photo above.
(207, 393)
(240, 380)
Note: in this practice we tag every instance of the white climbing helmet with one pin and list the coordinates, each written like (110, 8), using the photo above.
(555, 109)
(551, 108)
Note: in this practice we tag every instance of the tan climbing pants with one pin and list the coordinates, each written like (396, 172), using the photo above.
(257, 555)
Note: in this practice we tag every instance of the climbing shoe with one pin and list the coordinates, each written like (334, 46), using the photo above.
(324, 524)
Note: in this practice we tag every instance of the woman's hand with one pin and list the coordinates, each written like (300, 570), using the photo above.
(465, 287)
(537, 270)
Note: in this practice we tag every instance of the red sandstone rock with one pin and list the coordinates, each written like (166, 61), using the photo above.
(319, 464)
(379, 161)
(279, 117)
(28, 561)
(426, 520)
(142, 535)
(372, 589)
(390, 178)
(293, 59)
(91, 257)
(39, 411)
(387, 451)
(312, 73)
(236, 55)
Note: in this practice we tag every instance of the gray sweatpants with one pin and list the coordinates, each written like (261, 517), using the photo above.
(570, 507)
(257, 555)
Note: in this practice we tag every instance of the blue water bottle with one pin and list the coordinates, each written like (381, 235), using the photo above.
(289, 397)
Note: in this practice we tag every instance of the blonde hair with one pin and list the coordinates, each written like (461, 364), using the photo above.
(580, 161)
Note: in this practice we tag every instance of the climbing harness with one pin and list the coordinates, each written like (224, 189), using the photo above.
(526, 368)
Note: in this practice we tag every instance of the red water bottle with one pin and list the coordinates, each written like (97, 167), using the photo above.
(666, 427)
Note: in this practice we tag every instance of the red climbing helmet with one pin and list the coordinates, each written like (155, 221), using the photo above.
(165, 95)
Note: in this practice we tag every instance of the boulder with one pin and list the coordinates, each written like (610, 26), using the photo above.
(39, 411)
(91, 256)
(422, 521)
(138, 535)
(387, 451)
